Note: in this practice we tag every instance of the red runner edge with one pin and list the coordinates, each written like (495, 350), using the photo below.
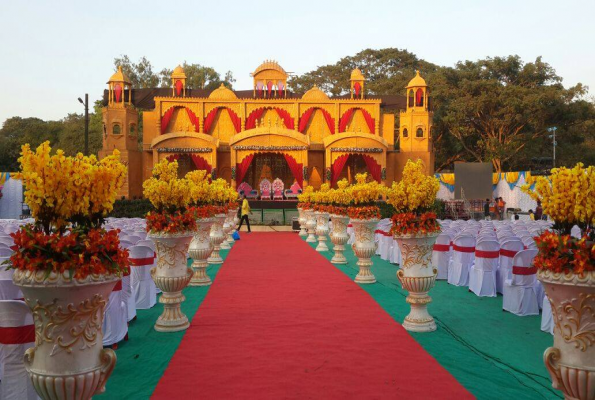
(279, 322)
(17, 335)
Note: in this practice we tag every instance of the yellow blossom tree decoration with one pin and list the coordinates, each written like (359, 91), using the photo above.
(165, 190)
(416, 192)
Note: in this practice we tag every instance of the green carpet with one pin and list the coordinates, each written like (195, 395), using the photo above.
(494, 354)
(144, 357)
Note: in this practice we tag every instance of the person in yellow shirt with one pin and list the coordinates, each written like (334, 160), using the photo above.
(245, 213)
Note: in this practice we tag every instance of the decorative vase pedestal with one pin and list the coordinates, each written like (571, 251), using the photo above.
(68, 360)
(321, 230)
(226, 228)
(339, 237)
(200, 249)
(571, 361)
(217, 236)
(310, 226)
(302, 221)
(364, 248)
(171, 275)
(231, 216)
(417, 277)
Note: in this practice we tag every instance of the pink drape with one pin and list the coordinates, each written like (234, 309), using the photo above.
(210, 118)
(337, 168)
(254, 115)
(193, 118)
(235, 119)
(304, 119)
(242, 168)
(345, 119)
(166, 118)
(201, 163)
(373, 167)
(296, 169)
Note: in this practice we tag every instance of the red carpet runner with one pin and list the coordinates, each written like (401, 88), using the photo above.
(281, 322)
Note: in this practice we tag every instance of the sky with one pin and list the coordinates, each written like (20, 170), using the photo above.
(52, 52)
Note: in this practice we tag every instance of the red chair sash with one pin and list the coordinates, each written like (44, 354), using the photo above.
(524, 270)
(118, 286)
(17, 334)
(463, 249)
(441, 247)
(487, 254)
(140, 262)
(508, 253)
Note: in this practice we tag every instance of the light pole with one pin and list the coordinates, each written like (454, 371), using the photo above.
(86, 104)
(553, 137)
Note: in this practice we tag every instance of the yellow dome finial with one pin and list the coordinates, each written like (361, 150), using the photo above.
(417, 81)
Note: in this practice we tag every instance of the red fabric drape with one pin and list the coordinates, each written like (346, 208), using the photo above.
(286, 118)
(419, 98)
(337, 168)
(237, 123)
(193, 119)
(254, 115)
(369, 121)
(373, 167)
(179, 87)
(330, 121)
(201, 163)
(118, 93)
(345, 119)
(358, 88)
(173, 157)
(304, 119)
(17, 334)
(210, 118)
(296, 169)
(242, 168)
(166, 118)
(269, 88)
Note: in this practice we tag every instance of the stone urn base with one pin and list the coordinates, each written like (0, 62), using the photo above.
(217, 237)
(302, 221)
(364, 248)
(321, 230)
(571, 361)
(68, 360)
(200, 249)
(339, 238)
(311, 226)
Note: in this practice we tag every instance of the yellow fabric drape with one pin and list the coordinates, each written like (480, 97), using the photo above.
(495, 178)
(4, 176)
(449, 179)
(512, 177)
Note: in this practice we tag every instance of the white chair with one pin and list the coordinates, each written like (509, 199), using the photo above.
(441, 255)
(128, 297)
(17, 334)
(508, 249)
(482, 276)
(462, 259)
(142, 259)
(147, 243)
(5, 251)
(115, 321)
(519, 295)
(7, 241)
(547, 319)
(8, 290)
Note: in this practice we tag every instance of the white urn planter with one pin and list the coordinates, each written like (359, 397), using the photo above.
(571, 361)
(321, 230)
(231, 216)
(68, 360)
(417, 276)
(226, 228)
(217, 236)
(171, 275)
(311, 226)
(339, 238)
(200, 249)
(364, 248)
(302, 221)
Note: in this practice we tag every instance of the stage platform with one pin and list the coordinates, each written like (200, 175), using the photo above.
(272, 212)
(273, 204)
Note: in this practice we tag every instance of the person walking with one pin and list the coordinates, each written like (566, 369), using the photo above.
(486, 210)
(245, 213)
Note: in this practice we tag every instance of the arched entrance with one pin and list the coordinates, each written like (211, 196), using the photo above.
(189, 162)
(269, 166)
(355, 164)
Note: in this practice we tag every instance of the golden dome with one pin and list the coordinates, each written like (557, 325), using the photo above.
(356, 75)
(268, 65)
(417, 81)
(315, 94)
(178, 73)
(119, 77)
(223, 93)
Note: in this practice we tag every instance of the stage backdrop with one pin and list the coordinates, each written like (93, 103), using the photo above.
(475, 179)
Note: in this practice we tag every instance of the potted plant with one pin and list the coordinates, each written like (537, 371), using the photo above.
(565, 266)
(320, 204)
(171, 226)
(305, 204)
(66, 264)
(415, 229)
(340, 198)
(364, 215)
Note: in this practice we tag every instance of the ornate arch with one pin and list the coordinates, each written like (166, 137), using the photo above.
(307, 115)
(166, 117)
(257, 114)
(210, 118)
(349, 113)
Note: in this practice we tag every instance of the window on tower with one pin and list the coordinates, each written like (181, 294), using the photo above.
(116, 130)
(411, 98)
(419, 98)
(405, 133)
(419, 133)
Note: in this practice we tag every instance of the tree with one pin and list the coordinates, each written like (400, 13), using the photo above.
(198, 77)
(72, 135)
(141, 74)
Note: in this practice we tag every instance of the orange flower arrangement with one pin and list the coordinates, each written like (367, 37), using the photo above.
(412, 224)
(563, 253)
(363, 212)
(338, 210)
(165, 222)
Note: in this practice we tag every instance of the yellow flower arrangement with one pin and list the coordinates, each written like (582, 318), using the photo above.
(567, 196)
(365, 193)
(416, 192)
(165, 190)
(61, 189)
(305, 198)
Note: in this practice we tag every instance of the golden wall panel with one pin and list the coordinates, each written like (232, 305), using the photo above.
(317, 129)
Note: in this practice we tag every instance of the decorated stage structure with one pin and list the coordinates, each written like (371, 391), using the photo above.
(267, 133)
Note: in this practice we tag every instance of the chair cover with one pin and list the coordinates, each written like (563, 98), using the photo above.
(8, 290)
(142, 259)
(5, 251)
(115, 321)
(482, 276)
(508, 249)
(462, 259)
(441, 255)
(17, 334)
(278, 187)
(547, 319)
(520, 296)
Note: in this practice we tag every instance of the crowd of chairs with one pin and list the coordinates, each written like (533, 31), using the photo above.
(133, 292)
